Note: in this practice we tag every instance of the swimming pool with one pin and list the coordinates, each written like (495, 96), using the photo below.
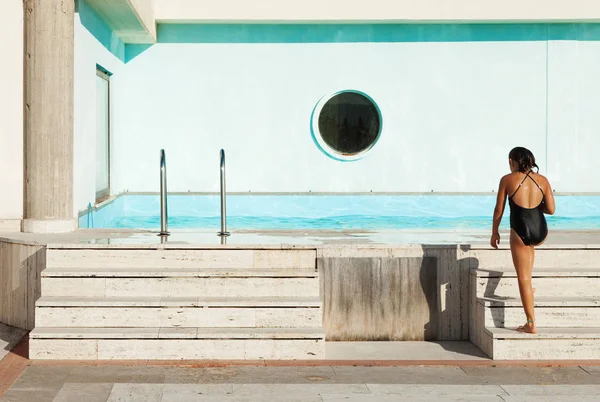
(333, 212)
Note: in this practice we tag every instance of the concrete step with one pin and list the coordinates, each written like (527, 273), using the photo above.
(509, 272)
(544, 258)
(541, 302)
(145, 258)
(550, 312)
(191, 286)
(178, 312)
(547, 344)
(546, 286)
(170, 333)
(159, 272)
(176, 343)
(127, 301)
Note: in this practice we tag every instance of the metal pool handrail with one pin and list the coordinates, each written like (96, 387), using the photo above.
(223, 231)
(163, 195)
(90, 216)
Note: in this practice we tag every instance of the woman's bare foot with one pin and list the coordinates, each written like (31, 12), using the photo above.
(528, 328)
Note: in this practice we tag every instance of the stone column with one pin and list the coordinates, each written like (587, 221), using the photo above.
(48, 115)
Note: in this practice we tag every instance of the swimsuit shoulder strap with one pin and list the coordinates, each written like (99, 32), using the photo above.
(538, 186)
(520, 184)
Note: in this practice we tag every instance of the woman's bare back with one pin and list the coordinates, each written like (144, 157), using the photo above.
(526, 190)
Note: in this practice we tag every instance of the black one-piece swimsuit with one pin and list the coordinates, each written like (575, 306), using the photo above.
(529, 223)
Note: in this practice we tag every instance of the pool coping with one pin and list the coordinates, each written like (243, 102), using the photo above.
(87, 238)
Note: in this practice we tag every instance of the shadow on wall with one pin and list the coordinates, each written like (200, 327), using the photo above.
(497, 309)
(450, 312)
(20, 283)
(410, 294)
(9, 338)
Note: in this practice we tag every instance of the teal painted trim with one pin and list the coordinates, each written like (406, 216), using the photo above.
(353, 33)
(582, 32)
(589, 32)
(133, 50)
(97, 27)
(102, 69)
(563, 31)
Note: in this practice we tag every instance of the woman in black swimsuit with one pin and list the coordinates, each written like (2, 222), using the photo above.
(530, 197)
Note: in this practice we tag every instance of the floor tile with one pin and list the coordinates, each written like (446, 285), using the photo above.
(117, 374)
(436, 389)
(529, 375)
(298, 389)
(42, 378)
(136, 393)
(46, 395)
(397, 398)
(551, 390)
(401, 375)
(75, 392)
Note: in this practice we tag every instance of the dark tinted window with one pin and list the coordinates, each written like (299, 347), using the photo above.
(349, 123)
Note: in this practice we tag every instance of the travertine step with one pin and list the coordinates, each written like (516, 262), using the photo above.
(158, 272)
(185, 333)
(549, 311)
(546, 333)
(547, 344)
(576, 284)
(144, 258)
(180, 286)
(127, 303)
(47, 301)
(541, 302)
(176, 343)
(544, 258)
(509, 272)
(128, 312)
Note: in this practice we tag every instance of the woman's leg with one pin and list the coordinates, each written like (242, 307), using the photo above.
(522, 256)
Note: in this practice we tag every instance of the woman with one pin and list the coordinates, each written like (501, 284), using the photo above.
(530, 197)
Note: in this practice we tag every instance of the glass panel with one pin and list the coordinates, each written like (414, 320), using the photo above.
(102, 138)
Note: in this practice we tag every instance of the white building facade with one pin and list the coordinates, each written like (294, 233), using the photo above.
(456, 84)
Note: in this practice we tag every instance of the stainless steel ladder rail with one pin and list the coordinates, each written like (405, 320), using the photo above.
(223, 231)
(90, 216)
(164, 218)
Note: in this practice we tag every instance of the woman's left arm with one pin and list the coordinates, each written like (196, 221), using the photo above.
(498, 212)
(549, 206)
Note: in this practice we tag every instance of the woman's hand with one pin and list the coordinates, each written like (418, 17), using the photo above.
(495, 240)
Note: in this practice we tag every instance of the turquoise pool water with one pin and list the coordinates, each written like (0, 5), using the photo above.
(334, 212)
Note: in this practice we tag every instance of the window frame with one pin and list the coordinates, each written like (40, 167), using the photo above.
(103, 195)
(320, 141)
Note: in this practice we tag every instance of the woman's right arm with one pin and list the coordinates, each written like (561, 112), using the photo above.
(498, 212)
(549, 206)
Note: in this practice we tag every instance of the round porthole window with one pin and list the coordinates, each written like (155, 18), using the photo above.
(346, 125)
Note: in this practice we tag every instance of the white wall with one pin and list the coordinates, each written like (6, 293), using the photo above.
(573, 115)
(88, 53)
(377, 10)
(11, 114)
(451, 111)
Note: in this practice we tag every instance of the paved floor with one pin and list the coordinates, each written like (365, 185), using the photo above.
(323, 384)
(9, 337)
(457, 371)
(438, 351)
